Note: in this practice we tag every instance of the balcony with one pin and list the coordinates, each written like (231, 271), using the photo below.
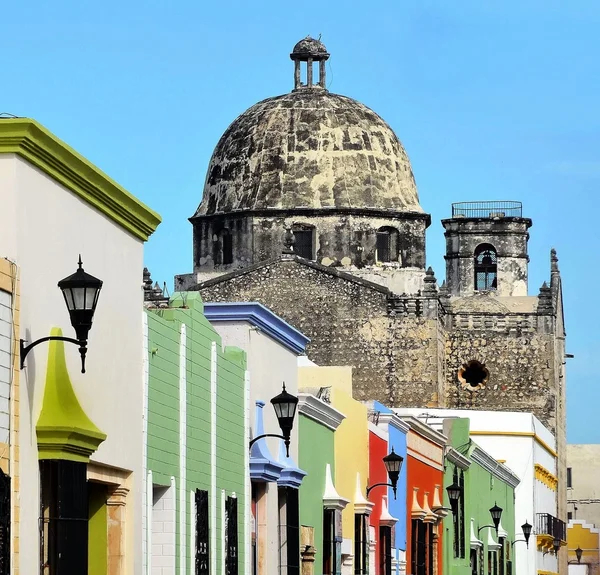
(487, 210)
(549, 528)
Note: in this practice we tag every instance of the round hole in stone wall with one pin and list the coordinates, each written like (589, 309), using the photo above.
(473, 375)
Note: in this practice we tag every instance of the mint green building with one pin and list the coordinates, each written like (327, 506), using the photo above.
(317, 422)
(196, 437)
(471, 544)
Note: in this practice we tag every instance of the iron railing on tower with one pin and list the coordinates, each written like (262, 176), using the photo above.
(491, 210)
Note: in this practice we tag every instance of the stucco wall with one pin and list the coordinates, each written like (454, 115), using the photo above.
(316, 451)
(584, 461)
(65, 226)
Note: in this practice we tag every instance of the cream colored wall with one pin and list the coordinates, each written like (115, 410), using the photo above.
(43, 229)
(584, 461)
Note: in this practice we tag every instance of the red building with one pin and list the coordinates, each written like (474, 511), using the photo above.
(381, 522)
(425, 473)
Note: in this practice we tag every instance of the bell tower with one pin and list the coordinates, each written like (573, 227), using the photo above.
(309, 51)
(486, 248)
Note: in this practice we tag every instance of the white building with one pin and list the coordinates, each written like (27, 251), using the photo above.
(272, 348)
(55, 206)
(528, 448)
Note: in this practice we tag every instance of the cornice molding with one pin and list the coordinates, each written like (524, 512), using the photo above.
(424, 430)
(42, 149)
(458, 459)
(546, 477)
(490, 464)
(319, 411)
(261, 317)
(394, 420)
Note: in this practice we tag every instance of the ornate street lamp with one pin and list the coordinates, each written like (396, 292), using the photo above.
(496, 513)
(454, 491)
(81, 291)
(526, 528)
(578, 553)
(393, 465)
(285, 409)
(556, 545)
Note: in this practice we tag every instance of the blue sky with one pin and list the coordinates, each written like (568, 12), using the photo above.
(492, 100)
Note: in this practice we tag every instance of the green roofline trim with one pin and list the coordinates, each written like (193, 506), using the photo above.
(64, 431)
(30, 140)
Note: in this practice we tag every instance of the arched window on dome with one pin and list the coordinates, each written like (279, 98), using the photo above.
(486, 267)
(304, 240)
(387, 244)
(223, 247)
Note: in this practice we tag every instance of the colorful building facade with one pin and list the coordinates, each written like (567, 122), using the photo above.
(425, 478)
(272, 348)
(317, 423)
(472, 545)
(583, 539)
(196, 508)
(84, 428)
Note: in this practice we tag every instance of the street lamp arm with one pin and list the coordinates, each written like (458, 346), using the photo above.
(287, 447)
(25, 349)
(371, 487)
(519, 541)
(492, 526)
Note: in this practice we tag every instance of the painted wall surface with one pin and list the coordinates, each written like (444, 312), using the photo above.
(378, 449)
(110, 391)
(584, 461)
(181, 441)
(520, 441)
(425, 477)
(316, 451)
(397, 440)
(270, 364)
(586, 536)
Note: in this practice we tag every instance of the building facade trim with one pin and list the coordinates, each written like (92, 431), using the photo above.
(261, 317)
(31, 141)
(498, 470)
(319, 411)
(535, 436)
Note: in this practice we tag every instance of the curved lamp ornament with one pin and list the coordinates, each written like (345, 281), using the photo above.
(284, 405)
(393, 465)
(81, 291)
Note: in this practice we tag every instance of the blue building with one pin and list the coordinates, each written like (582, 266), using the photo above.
(396, 430)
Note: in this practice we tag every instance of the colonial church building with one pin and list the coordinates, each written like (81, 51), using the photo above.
(310, 207)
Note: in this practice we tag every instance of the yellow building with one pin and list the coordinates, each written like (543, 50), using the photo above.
(583, 539)
(351, 441)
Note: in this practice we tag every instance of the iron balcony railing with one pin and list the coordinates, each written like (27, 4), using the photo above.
(503, 209)
(549, 525)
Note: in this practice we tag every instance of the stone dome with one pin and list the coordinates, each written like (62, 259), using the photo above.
(309, 48)
(309, 149)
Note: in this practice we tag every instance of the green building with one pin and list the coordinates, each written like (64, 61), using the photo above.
(317, 422)
(471, 543)
(196, 430)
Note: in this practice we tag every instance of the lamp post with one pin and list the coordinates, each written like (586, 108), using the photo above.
(285, 409)
(454, 492)
(526, 528)
(496, 513)
(393, 465)
(81, 291)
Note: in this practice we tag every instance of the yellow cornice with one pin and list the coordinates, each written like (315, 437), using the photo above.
(535, 436)
(38, 146)
(547, 478)
(542, 572)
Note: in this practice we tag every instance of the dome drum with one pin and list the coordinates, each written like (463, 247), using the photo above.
(345, 239)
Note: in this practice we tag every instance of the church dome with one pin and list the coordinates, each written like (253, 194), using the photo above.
(309, 149)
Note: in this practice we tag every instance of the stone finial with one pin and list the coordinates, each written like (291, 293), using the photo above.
(553, 260)
(429, 282)
(147, 279)
(545, 299)
(289, 240)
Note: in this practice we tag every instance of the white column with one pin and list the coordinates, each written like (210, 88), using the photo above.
(247, 485)
(147, 482)
(149, 498)
(182, 450)
(213, 458)
(223, 533)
